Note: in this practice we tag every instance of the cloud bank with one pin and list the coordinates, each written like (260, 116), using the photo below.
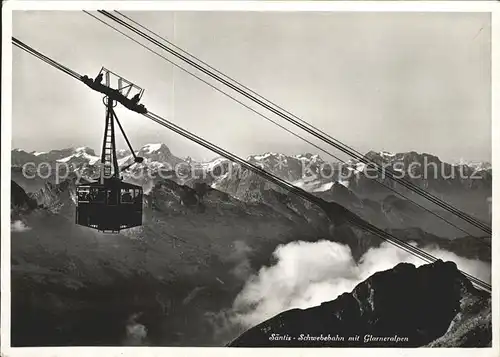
(306, 274)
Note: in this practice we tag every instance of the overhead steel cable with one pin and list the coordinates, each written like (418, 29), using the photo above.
(229, 78)
(347, 215)
(266, 117)
(409, 185)
(360, 155)
(432, 198)
(44, 58)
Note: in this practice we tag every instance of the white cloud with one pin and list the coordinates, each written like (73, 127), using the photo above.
(136, 332)
(18, 226)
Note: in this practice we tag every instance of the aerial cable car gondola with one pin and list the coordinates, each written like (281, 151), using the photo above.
(110, 205)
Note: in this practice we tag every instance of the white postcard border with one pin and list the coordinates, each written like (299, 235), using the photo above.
(392, 6)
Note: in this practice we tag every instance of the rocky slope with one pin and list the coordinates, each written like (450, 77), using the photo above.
(432, 305)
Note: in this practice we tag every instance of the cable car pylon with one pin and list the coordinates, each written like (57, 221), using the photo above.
(108, 157)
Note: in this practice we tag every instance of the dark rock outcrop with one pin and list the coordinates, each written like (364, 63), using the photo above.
(19, 199)
(405, 306)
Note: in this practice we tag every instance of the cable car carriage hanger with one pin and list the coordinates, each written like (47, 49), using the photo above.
(110, 205)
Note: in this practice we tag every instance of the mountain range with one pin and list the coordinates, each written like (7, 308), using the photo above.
(380, 201)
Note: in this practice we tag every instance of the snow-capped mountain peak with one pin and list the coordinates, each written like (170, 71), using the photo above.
(82, 152)
(477, 165)
(155, 152)
(387, 154)
(150, 148)
(264, 156)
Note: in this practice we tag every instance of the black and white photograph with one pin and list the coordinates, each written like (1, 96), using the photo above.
(241, 178)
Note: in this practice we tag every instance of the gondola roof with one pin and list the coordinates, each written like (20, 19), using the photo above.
(121, 184)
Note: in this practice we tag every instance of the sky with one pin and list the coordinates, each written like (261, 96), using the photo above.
(376, 81)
